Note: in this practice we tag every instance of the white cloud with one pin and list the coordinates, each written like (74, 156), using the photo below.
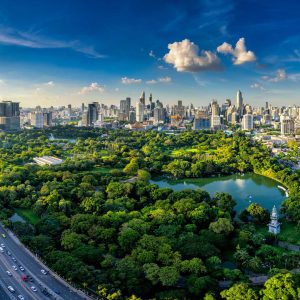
(50, 83)
(239, 53)
(165, 79)
(160, 67)
(93, 87)
(151, 53)
(11, 36)
(2, 81)
(280, 76)
(153, 81)
(184, 56)
(126, 80)
(257, 86)
(159, 80)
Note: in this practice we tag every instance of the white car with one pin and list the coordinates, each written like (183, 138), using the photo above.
(1, 250)
(13, 259)
(44, 272)
(34, 288)
(21, 297)
(21, 268)
(15, 268)
(8, 273)
(2, 245)
(11, 289)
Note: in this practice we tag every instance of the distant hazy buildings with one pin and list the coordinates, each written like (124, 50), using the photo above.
(9, 115)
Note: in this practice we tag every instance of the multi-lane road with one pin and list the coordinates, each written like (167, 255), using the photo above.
(14, 258)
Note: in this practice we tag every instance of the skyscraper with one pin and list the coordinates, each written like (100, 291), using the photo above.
(143, 99)
(247, 122)
(140, 111)
(239, 103)
(9, 115)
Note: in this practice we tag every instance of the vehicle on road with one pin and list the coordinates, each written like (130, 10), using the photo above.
(8, 253)
(3, 235)
(24, 278)
(1, 250)
(11, 289)
(44, 272)
(2, 245)
(15, 268)
(13, 259)
(21, 297)
(34, 288)
(8, 273)
(21, 268)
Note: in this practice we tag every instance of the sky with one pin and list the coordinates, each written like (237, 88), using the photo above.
(73, 51)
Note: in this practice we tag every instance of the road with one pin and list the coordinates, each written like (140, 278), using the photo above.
(56, 288)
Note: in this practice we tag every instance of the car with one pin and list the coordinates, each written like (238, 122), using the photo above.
(11, 289)
(33, 288)
(15, 268)
(1, 250)
(24, 278)
(8, 253)
(21, 268)
(3, 235)
(8, 273)
(2, 245)
(13, 259)
(21, 297)
(44, 272)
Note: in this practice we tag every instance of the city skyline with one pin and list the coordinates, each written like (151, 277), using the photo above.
(56, 54)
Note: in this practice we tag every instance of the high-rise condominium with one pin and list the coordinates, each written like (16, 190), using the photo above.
(9, 115)
(239, 103)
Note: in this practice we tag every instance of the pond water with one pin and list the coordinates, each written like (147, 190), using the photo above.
(245, 189)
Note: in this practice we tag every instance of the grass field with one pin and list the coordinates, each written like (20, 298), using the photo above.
(28, 215)
(288, 233)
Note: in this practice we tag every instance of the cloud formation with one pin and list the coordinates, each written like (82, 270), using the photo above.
(50, 83)
(239, 53)
(10, 36)
(257, 86)
(126, 80)
(93, 87)
(184, 56)
(280, 76)
(159, 80)
(165, 79)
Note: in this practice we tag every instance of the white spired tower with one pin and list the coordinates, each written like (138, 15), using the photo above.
(274, 225)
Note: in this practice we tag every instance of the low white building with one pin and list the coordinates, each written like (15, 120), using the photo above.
(47, 160)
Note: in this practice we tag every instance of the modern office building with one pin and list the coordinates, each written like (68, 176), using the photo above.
(37, 119)
(239, 103)
(202, 123)
(247, 122)
(9, 115)
(47, 119)
(140, 111)
(287, 126)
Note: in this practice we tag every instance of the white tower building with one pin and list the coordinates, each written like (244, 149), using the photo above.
(274, 225)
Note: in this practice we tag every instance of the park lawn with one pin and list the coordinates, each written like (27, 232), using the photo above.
(183, 151)
(27, 214)
(289, 233)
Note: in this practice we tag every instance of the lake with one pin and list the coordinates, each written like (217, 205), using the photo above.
(245, 189)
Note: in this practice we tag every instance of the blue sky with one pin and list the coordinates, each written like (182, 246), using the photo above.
(60, 52)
